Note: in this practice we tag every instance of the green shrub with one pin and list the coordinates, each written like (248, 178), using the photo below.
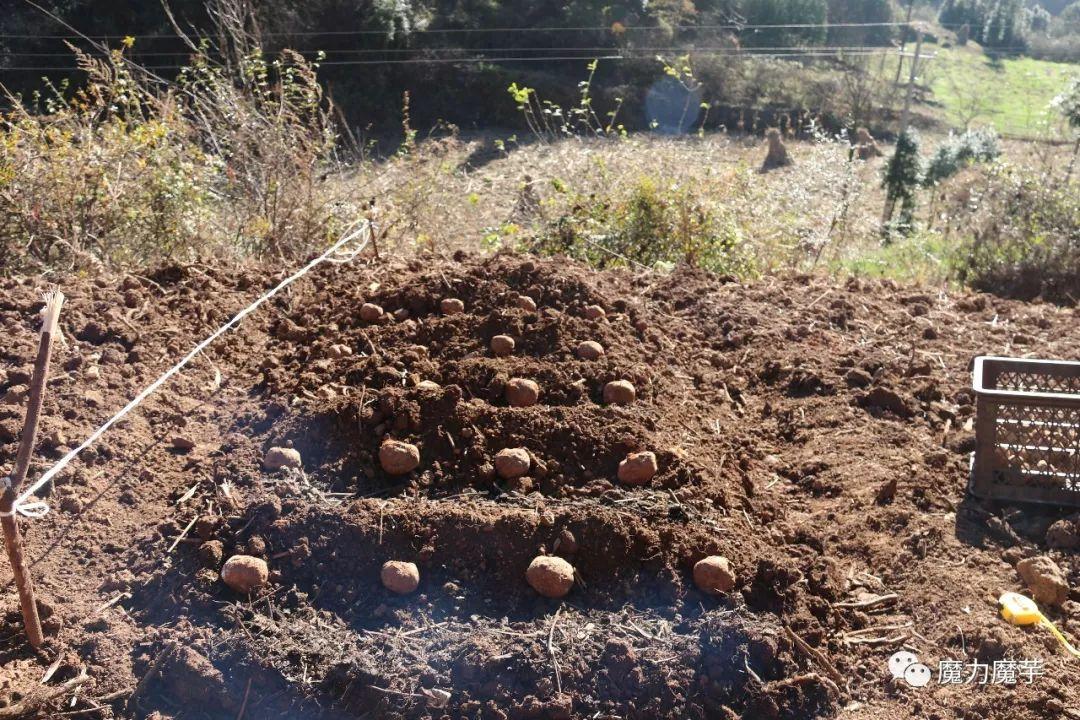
(1025, 238)
(656, 224)
(958, 151)
(231, 158)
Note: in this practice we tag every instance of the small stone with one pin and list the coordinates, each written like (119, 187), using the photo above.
(16, 394)
(857, 378)
(638, 468)
(428, 385)
(594, 312)
(502, 345)
(619, 392)
(370, 312)
(566, 544)
(552, 577)
(181, 442)
(1064, 534)
(400, 577)
(401, 314)
(280, 457)
(256, 546)
(526, 303)
(590, 350)
(339, 351)
(522, 393)
(714, 575)
(1045, 579)
(398, 458)
(512, 463)
(245, 574)
(210, 554)
(451, 306)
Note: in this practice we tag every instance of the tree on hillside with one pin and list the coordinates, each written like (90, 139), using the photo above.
(1002, 28)
(860, 11)
(903, 176)
(784, 12)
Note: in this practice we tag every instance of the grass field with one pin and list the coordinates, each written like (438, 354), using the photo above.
(1012, 94)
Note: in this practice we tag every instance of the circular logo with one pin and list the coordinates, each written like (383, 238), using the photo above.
(900, 661)
(917, 675)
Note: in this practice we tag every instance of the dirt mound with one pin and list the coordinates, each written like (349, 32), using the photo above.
(815, 435)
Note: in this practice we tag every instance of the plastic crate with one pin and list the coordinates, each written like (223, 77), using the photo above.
(1027, 430)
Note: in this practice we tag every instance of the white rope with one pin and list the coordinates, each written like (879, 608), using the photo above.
(38, 508)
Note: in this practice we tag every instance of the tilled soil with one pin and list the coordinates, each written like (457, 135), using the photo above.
(815, 434)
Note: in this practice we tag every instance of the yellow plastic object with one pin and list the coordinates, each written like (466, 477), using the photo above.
(1020, 610)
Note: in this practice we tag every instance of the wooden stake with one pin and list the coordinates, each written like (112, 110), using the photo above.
(12, 537)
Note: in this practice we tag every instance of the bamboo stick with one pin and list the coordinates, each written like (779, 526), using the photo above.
(12, 536)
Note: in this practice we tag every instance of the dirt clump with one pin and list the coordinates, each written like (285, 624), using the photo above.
(1045, 579)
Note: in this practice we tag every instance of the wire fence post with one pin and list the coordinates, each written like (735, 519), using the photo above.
(8, 515)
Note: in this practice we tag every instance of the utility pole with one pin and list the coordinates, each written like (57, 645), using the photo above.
(911, 84)
(905, 117)
(903, 42)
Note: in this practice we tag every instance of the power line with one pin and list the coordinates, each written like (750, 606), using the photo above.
(474, 60)
(456, 31)
(584, 49)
